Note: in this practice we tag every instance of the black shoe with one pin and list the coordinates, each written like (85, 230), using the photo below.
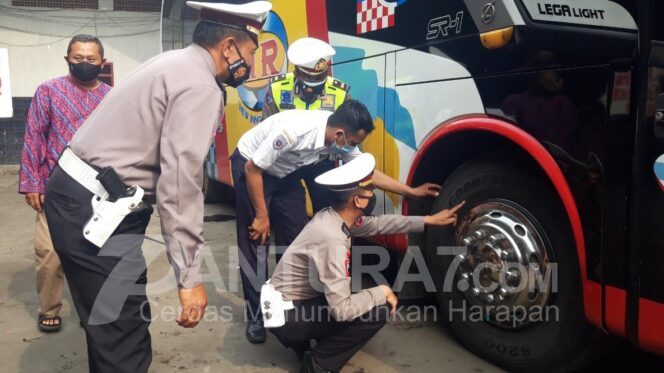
(256, 332)
(300, 349)
(309, 365)
(300, 353)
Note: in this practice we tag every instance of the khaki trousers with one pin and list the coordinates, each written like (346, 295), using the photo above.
(50, 278)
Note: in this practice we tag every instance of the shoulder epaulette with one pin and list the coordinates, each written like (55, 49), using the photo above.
(339, 84)
(278, 78)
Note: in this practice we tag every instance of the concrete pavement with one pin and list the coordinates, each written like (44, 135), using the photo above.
(218, 343)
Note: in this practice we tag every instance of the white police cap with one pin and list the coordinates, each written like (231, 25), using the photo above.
(311, 56)
(249, 17)
(357, 173)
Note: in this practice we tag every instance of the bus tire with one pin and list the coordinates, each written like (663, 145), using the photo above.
(540, 343)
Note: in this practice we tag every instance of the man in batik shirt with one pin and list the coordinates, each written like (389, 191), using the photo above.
(58, 109)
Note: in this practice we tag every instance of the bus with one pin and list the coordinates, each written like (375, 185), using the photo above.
(545, 116)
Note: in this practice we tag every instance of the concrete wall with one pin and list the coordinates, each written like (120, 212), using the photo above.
(37, 40)
(12, 131)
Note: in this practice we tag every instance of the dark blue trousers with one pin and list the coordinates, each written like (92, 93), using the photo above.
(286, 203)
(320, 196)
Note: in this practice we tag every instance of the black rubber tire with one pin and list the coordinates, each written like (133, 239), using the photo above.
(211, 189)
(548, 346)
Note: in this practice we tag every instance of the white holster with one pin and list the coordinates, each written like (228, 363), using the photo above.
(106, 215)
(273, 306)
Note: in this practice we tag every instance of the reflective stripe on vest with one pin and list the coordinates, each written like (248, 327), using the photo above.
(284, 89)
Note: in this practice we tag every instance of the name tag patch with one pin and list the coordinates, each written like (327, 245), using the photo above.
(327, 102)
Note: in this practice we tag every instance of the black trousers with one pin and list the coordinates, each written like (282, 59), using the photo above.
(337, 342)
(107, 285)
(320, 196)
(286, 203)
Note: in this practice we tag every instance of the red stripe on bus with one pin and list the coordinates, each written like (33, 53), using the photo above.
(223, 160)
(317, 19)
(651, 327)
(615, 306)
(592, 301)
(397, 242)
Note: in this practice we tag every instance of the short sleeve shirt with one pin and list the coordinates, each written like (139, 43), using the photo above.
(289, 140)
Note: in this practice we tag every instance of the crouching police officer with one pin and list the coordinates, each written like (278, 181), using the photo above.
(308, 87)
(309, 295)
(151, 132)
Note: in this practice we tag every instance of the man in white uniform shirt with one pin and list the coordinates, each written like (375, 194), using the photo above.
(268, 190)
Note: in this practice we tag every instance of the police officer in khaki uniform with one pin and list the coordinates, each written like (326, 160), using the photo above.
(152, 132)
(313, 277)
(308, 87)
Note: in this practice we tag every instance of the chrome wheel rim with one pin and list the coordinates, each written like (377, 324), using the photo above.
(505, 268)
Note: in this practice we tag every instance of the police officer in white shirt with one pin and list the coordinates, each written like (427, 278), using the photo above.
(268, 190)
(309, 295)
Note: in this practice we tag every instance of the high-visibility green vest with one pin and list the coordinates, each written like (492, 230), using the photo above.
(285, 97)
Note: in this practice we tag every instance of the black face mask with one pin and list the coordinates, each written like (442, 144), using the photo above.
(238, 71)
(368, 209)
(84, 71)
(311, 93)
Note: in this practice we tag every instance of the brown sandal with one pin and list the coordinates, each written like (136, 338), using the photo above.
(49, 328)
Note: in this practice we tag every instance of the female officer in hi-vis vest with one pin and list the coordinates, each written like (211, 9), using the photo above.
(308, 87)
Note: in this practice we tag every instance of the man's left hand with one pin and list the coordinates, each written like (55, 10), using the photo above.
(425, 190)
(35, 200)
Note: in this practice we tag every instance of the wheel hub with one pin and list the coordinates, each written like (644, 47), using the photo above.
(504, 269)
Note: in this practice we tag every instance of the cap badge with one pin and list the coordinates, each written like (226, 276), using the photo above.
(320, 66)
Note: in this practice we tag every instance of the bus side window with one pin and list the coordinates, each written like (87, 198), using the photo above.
(655, 78)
